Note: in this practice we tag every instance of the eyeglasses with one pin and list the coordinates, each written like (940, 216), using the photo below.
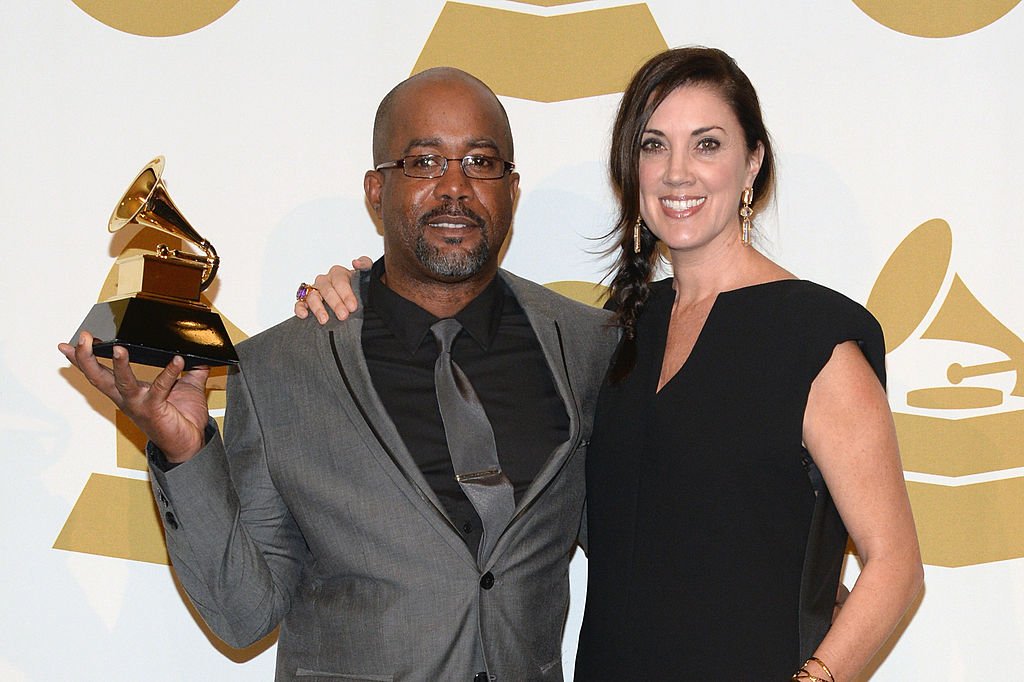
(475, 166)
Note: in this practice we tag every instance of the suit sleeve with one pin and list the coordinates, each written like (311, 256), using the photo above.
(233, 543)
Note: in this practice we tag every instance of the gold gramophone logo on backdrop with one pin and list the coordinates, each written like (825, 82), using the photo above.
(544, 57)
(960, 428)
(156, 18)
(935, 18)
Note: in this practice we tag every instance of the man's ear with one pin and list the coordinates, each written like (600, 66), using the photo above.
(373, 182)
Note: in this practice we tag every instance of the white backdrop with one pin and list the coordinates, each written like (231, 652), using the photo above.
(264, 116)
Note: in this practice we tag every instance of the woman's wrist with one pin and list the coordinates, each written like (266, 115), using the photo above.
(814, 670)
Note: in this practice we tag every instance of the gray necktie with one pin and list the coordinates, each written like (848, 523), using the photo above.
(471, 441)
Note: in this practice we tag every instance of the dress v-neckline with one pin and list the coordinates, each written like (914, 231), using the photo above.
(697, 342)
(664, 344)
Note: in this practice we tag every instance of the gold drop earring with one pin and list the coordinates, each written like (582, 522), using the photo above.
(636, 234)
(746, 213)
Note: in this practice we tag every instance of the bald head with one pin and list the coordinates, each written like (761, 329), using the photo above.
(435, 82)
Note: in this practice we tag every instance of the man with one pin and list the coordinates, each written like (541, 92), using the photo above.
(332, 505)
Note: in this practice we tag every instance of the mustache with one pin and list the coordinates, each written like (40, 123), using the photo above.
(451, 210)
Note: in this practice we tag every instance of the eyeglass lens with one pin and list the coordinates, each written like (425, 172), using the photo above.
(475, 166)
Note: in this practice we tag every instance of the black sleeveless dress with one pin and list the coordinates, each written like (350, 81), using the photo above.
(714, 546)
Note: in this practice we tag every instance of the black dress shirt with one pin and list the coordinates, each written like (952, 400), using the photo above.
(500, 354)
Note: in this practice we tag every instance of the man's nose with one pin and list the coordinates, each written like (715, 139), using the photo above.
(454, 184)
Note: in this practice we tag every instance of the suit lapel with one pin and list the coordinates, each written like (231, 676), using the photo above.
(340, 354)
(545, 326)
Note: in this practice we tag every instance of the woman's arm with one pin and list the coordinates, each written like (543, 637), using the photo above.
(849, 431)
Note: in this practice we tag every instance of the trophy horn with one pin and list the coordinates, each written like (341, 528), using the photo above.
(147, 203)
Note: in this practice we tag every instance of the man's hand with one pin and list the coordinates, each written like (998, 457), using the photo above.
(172, 411)
(332, 290)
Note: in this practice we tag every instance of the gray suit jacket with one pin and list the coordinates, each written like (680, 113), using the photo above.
(311, 513)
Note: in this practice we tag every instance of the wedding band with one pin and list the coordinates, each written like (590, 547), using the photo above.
(304, 290)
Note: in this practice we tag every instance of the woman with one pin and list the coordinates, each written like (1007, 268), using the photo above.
(741, 403)
(743, 427)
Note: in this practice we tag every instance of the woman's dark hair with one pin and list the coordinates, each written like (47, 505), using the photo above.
(656, 80)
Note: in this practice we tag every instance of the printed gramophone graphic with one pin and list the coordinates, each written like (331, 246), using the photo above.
(544, 55)
(962, 437)
(152, 302)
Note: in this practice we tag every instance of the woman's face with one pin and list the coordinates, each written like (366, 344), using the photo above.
(694, 164)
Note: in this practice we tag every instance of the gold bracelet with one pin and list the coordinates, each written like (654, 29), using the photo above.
(831, 677)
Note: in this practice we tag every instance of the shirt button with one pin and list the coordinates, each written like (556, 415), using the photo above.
(487, 580)
(172, 521)
(467, 528)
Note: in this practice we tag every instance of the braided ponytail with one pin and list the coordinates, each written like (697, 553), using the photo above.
(630, 288)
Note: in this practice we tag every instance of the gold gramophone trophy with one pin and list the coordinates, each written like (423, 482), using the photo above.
(156, 312)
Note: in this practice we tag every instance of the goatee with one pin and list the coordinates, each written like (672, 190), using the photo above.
(454, 263)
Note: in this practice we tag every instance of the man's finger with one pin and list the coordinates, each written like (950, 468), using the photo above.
(124, 378)
(196, 377)
(165, 380)
(84, 359)
(68, 351)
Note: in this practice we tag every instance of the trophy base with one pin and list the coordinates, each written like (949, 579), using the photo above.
(154, 331)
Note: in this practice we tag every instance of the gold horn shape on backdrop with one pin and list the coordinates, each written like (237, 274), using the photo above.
(960, 431)
(157, 312)
(156, 18)
(115, 515)
(544, 58)
(936, 18)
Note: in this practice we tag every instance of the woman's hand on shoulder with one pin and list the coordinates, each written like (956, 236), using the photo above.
(332, 290)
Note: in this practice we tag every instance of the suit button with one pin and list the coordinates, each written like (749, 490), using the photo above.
(487, 580)
(172, 521)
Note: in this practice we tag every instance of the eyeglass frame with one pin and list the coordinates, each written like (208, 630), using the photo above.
(507, 166)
